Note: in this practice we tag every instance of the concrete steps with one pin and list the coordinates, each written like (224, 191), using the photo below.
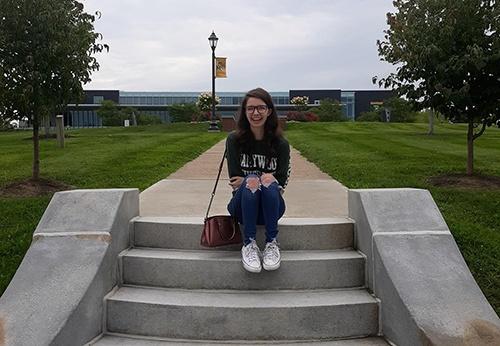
(246, 315)
(120, 340)
(176, 292)
(295, 233)
(198, 269)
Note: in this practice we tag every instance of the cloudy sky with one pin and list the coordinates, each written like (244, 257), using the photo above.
(162, 45)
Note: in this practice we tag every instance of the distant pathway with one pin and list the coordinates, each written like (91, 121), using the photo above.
(186, 192)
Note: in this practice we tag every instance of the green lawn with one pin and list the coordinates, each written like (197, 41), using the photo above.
(360, 155)
(374, 155)
(93, 158)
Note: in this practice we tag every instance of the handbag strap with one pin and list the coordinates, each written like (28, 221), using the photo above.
(216, 182)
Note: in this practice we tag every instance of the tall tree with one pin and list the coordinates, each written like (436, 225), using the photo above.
(47, 52)
(447, 57)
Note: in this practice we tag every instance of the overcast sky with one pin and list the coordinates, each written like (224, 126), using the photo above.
(162, 45)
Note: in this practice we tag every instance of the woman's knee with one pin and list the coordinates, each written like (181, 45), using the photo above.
(251, 183)
(272, 189)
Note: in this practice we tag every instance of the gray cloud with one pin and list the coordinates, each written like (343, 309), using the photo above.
(280, 45)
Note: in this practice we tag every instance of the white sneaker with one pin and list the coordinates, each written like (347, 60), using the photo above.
(250, 256)
(271, 258)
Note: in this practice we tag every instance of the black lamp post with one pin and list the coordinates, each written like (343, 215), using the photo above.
(213, 43)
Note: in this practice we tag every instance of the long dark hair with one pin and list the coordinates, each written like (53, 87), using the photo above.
(272, 132)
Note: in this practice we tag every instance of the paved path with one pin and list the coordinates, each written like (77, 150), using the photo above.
(186, 192)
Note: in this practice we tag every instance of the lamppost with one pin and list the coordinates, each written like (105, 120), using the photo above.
(213, 43)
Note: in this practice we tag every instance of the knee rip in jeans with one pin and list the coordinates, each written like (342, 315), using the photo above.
(253, 183)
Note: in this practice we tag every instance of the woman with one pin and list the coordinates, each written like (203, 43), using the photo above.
(258, 159)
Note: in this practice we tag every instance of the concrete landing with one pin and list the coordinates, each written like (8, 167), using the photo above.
(310, 192)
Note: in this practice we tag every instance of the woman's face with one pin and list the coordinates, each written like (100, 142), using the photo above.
(257, 112)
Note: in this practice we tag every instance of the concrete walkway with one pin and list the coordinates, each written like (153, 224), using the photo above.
(310, 192)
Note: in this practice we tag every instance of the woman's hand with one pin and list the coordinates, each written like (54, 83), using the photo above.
(235, 182)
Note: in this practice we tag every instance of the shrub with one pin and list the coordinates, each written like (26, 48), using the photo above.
(300, 102)
(301, 116)
(185, 112)
(370, 116)
(329, 110)
(148, 119)
(204, 102)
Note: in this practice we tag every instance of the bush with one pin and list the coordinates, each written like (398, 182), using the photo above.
(329, 110)
(301, 116)
(204, 102)
(148, 119)
(300, 102)
(185, 112)
(370, 116)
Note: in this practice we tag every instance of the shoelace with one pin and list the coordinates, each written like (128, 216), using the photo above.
(252, 252)
(271, 250)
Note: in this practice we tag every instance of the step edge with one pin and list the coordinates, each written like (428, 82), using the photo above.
(239, 342)
(233, 255)
(364, 298)
(195, 220)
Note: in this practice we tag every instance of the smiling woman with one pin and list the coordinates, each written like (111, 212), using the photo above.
(259, 166)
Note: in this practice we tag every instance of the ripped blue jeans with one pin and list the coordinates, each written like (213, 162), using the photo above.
(262, 207)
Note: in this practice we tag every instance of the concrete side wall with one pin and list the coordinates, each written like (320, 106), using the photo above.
(414, 266)
(56, 295)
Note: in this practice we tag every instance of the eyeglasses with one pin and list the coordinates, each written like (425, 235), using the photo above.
(260, 109)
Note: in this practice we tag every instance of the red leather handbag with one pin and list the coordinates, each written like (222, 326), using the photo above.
(220, 230)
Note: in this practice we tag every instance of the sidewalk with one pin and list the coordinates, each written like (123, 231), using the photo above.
(310, 192)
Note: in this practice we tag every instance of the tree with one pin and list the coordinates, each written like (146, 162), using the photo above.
(447, 57)
(401, 111)
(184, 112)
(329, 110)
(111, 115)
(46, 54)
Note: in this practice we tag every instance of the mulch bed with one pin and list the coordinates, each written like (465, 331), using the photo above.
(32, 188)
(51, 136)
(466, 181)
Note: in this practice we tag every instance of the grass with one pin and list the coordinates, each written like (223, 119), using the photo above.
(378, 155)
(360, 155)
(93, 158)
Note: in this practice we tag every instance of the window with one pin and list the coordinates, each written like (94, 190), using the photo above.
(98, 99)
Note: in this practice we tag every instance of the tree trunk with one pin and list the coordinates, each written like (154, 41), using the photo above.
(431, 122)
(46, 125)
(470, 148)
(134, 119)
(36, 147)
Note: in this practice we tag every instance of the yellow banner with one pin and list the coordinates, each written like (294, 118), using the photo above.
(220, 67)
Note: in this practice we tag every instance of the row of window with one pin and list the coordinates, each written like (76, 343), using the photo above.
(170, 100)
(83, 119)
(347, 101)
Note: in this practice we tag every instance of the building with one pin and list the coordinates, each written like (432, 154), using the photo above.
(84, 114)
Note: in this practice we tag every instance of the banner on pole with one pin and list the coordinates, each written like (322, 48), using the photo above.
(220, 67)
